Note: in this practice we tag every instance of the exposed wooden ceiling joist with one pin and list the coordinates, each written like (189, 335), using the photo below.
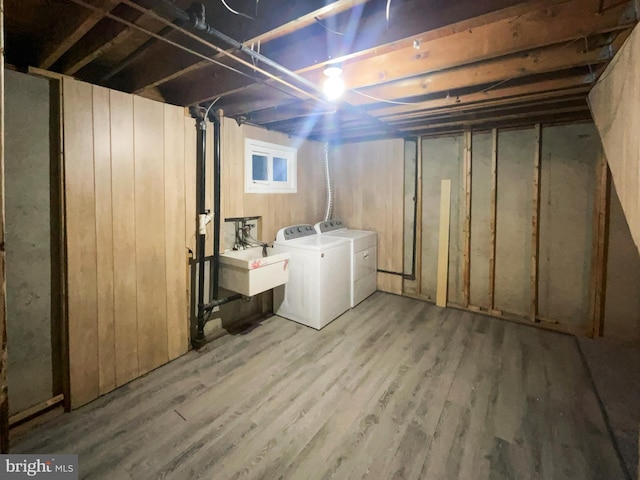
(70, 33)
(434, 66)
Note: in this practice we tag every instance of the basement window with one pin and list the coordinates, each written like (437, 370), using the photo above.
(269, 168)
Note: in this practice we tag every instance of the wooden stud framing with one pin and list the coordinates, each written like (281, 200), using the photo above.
(467, 218)
(4, 399)
(494, 211)
(535, 226)
(35, 410)
(599, 250)
(443, 243)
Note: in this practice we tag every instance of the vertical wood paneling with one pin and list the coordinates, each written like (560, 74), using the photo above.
(81, 243)
(614, 102)
(124, 238)
(368, 194)
(174, 193)
(150, 231)
(104, 237)
(277, 210)
(127, 274)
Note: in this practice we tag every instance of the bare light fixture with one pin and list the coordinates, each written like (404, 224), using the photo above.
(333, 85)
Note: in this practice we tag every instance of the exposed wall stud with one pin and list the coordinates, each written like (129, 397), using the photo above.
(494, 191)
(468, 155)
(535, 225)
(599, 250)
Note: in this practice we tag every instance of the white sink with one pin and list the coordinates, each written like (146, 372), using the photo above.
(249, 273)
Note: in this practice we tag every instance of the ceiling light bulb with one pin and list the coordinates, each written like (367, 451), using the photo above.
(333, 87)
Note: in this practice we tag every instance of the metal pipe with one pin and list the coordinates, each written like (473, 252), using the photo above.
(201, 169)
(196, 17)
(132, 25)
(215, 119)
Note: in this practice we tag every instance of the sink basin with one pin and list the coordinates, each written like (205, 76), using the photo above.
(249, 273)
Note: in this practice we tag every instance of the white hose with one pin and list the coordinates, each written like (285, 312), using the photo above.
(327, 177)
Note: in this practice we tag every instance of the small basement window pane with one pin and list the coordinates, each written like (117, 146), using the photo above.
(260, 170)
(279, 169)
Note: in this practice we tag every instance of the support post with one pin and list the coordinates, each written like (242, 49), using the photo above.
(494, 211)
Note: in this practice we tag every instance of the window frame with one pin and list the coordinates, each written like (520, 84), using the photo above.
(270, 150)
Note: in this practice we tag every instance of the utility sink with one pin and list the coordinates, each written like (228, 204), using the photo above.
(249, 273)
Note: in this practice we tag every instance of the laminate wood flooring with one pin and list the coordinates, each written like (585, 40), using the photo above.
(393, 389)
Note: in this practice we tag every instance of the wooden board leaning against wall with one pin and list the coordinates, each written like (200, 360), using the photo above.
(526, 242)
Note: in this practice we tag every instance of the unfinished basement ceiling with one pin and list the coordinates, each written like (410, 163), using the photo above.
(411, 67)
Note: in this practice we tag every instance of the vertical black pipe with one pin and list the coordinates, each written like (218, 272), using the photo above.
(201, 169)
(216, 205)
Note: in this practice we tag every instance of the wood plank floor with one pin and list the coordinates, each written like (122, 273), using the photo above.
(395, 388)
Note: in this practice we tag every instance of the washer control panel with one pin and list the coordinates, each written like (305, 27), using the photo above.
(294, 231)
(329, 225)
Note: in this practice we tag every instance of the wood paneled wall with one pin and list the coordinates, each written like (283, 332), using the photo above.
(368, 181)
(614, 104)
(126, 170)
(277, 210)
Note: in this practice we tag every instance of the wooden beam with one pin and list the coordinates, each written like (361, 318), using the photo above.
(546, 118)
(496, 117)
(468, 156)
(36, 409)
(261, 32)
(494, 212)
(562, 23)
(504, 96)
(443, 244)
(63, 40)
(4, 397)
(476, 111)
(425, 20)
(99, 41)
(576, 84)
(535, 225)
(599, 250)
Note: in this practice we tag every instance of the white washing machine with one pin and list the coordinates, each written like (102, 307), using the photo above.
(318, 288)
(364, 257)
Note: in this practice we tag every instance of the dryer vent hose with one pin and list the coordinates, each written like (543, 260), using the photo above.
(327, 177)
